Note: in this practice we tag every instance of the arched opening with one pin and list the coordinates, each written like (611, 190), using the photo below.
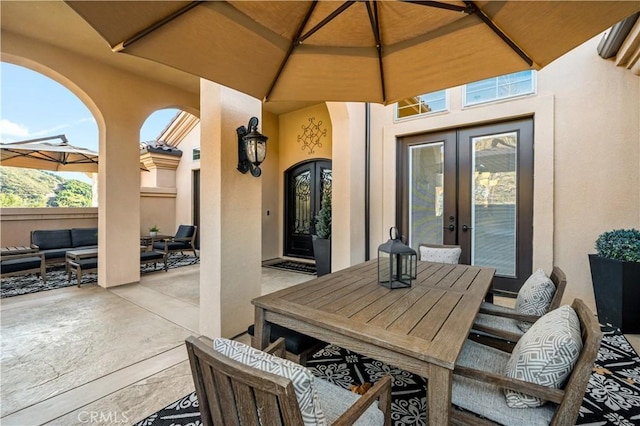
(36, 107)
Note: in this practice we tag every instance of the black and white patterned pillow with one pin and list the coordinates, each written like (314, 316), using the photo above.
(534, 297)
(545, 354)
(302, 379)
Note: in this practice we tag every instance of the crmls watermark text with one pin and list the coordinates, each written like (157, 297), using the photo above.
(102, 417)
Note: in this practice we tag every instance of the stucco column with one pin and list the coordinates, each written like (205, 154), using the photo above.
(119, 201)
(231, 224)
(348, 162)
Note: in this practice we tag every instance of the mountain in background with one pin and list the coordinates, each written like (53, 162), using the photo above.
(38, 188)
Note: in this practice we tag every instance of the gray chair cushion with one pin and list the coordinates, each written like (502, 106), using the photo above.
(545, 354)
(440, 254)
(51, 239)
(55, 253)
(336, 400)
(534, 296)
(501, 323)
(84, 237)
(488, 400)
(496, 308)
(151, 255)
(21, 264)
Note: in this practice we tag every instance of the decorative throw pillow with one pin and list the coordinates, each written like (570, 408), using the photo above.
(534, 297)
(545, 354)
(302, 379)
(440, 254)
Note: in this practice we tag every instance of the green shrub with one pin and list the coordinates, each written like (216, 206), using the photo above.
(323, 220)
(620, 244)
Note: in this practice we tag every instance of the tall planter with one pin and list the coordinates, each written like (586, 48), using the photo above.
(322, 254)
(616, 285)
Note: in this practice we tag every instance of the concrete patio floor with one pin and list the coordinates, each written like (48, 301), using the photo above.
(78, 356)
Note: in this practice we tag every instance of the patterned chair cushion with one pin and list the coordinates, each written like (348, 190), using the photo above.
(545, 354)
(440, 254)
(302, 379)
(534, 297)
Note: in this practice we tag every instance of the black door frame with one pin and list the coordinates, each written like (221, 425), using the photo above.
(456, 177)
(301, 246)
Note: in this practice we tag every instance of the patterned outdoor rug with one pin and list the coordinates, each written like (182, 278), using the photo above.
(612, 397)
(57, 277)
(290, 265)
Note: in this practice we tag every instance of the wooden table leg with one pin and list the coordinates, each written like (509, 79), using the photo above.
(439, 395)
(262, 333)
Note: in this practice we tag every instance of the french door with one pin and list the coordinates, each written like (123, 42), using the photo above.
(306, 186)
(472, 187)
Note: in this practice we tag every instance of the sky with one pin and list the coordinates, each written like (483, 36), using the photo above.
(35, 106)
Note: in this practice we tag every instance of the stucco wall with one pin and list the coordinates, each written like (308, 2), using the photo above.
(597, 151)
(290, 149)
(271, 208)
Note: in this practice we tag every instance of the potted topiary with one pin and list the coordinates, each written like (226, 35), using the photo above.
(153, 231)
(615, 272)
(322, 239)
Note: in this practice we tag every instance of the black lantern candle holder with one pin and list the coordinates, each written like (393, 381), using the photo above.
(397, 263)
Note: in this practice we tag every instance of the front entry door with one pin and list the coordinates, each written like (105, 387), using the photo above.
(306, 185)
(472, 187)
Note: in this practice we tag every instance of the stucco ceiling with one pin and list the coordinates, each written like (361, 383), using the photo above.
(54, 22)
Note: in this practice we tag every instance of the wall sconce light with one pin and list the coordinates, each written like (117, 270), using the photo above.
(252, 148)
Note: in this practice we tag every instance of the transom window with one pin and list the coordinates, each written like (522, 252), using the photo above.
(501, 87)
(423, 104)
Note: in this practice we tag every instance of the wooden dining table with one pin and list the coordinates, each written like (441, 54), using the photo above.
(420, 329)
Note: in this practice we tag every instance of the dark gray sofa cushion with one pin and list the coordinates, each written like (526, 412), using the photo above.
(84, 237)
(294, 342)
(51, 239)
(22, 264)
(151, 255)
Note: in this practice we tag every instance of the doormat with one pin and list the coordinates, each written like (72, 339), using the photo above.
(612, 396)
(291, 266)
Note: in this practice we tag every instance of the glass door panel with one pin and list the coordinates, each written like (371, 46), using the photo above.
(494, 195)
(426, 193)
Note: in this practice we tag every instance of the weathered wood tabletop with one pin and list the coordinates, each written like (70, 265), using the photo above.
(420, 329)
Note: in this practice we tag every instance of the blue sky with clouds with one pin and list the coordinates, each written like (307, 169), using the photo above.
(34, 106)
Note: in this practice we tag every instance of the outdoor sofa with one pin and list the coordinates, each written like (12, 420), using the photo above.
(55, 243)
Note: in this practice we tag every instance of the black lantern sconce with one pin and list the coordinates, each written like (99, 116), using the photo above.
(252, 148)
(397, 263)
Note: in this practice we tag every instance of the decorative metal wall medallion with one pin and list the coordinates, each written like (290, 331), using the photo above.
(311, 134)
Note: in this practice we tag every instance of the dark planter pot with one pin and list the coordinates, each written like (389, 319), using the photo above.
(322, 254)
(616, 286)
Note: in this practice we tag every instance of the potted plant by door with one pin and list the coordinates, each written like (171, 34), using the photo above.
(615, 272)
(153, 231)
(322, 239)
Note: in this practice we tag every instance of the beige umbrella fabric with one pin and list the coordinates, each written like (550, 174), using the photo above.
(328, 50)
(42, 155)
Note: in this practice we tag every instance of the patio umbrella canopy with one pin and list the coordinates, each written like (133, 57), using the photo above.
(374, 51)
(42, 155)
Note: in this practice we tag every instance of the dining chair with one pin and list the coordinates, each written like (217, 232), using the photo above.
(541, 382)
(440, 253)
(539, 294)
(182, 241)
(237, 384)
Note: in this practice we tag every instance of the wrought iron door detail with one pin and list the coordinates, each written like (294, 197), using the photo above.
(307, 185)
(311, 134)
(302, 199)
